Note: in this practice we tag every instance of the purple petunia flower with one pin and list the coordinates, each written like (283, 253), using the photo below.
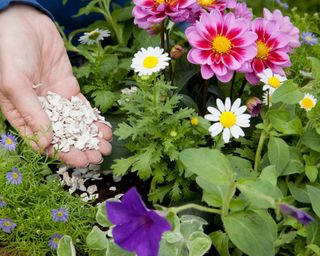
(309, 38)
(7, 225)
(2, 202)
(283, 5)
(59, 215)
(138, 229)
(254, 106)
(54, 241)
(14, 177)
(8, 141)
(300, 215)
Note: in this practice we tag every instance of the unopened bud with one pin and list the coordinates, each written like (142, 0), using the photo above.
(254, 106)
(177, 51)
(195, 121)
(154, 29)
(173, 134)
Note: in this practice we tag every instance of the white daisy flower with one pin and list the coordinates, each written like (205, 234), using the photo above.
(150, 60)
(94, 36)
(229, 119)
(271, 81)
(267, 97)
(308, 102)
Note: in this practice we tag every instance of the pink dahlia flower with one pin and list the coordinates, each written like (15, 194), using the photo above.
(285, 26)
(272, 48)
(221, 44)
(146, 13)
(242, 11)
(220, 5)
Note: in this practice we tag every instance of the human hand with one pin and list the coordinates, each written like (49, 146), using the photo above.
(32, 52)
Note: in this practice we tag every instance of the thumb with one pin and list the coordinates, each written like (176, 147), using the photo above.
(26, 113)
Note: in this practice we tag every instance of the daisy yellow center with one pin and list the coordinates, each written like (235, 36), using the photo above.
(221, 44)
(308, 38)
(307, 103)
(60, 214)
(206, 2)
(194, 121)
(9, 141)
(228, 119)
(169, 2)
(56, 240)
(7, 223)
(15, 175)
(93, 35)
(274, 82)
(150, 62)
(263, 51)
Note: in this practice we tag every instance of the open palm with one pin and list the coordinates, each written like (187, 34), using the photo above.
(32, 52)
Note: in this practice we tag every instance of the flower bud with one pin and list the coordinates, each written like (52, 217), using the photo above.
(154, 29)
(254, 106)
(195, 121)
(173, 134)
(177, 51)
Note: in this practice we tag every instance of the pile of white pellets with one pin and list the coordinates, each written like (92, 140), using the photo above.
(72, 122)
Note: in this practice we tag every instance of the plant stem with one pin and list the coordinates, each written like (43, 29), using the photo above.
(162, 35)
(195, 206)
(166, 32)
(244, 82)
(205, 96)
(263, 137)
(231, 87)
(155, 101)
(227, 198)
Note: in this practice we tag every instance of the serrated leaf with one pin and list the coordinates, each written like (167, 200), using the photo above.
(121, 166)
(104, 100)
(97, 240)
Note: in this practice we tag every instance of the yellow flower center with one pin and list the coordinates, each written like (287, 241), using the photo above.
(93, 35)
(307, 103)
(7, 224)
(194, 121)
(206, 2)
(60, 214)
(15, 175)
(263, 51)
(228, 119)
(221, 44)
(169, 2)
(150, 62)
(9, 141)
(55, 240)
(274, 82)
(308, 38)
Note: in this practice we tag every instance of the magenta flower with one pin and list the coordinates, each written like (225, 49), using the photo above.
(272, 49)
(147, 13)
(138, 229)
(220, 44)
(242, 11)
(300, 215)
(220, 5)
(285, 26)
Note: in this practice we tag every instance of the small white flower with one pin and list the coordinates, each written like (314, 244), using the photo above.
(267, 98)
(94, 36)
(150, 60)
(308, 102)
(271, 81)
(229, 118)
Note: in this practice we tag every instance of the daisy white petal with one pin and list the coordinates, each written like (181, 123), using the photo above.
(240, 110)
(220, 105)
(94, 36)
(226, 135)
(227, 104)
(272, 81)
(211, 117)
(236, 105)
(236, 131)
(215, 129)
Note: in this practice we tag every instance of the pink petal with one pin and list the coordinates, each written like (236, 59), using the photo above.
(230, 62)
(227, 77)
(200, 56)
(196, 40)
(206, 72)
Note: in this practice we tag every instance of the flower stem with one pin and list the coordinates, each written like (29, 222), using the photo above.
(195, 206)
(244, 82)
(263, 137)
(155, 101)
(231, 87)
(162, 33)
(205, 96)
(227, 198)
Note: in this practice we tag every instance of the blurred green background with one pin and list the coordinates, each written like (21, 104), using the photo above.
(310, 6)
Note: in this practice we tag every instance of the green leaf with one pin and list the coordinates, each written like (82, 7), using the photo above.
(315, 248)
(212, 194)
(121, 166)
(260, 193)
(312, 172)
(220, 241)
(97, 240)
(109, 64)
(115, 250)
(269, 174)
(190, 224)
(250, 233)
(314, 195)
(295, 164)
(311, 139)
(315, 70)
(285, 238)
(300, 194)
(198, 243)
(278, 153)
(241, 167)
(281, 121)
(104, 100)
(208, 164)
(65, 247)
(288, 93)
(101, 216)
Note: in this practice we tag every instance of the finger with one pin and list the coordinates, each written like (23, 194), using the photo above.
(27, 108)
(75, 158)
(106, 130)
(94, 156)
(105, 147)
